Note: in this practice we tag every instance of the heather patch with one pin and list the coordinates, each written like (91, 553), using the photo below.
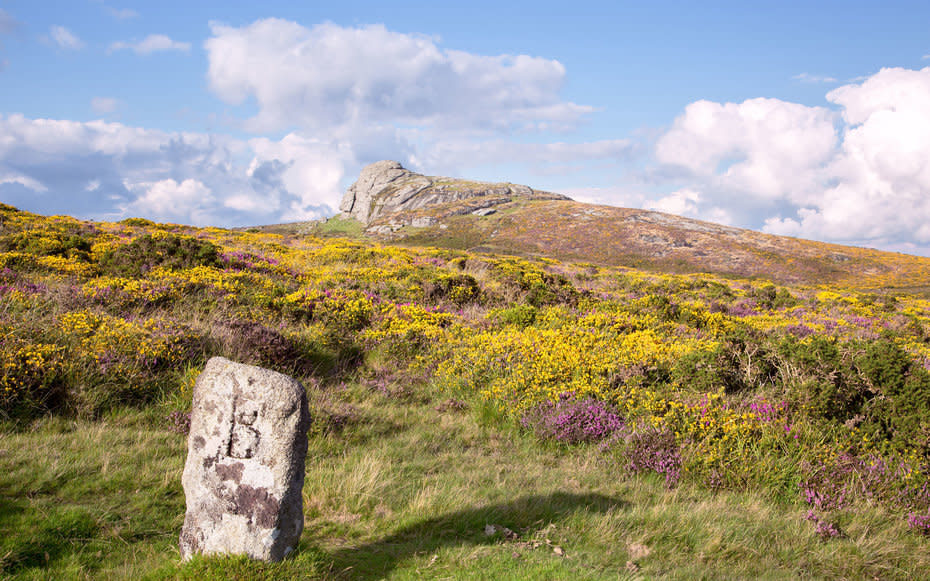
(573, 421)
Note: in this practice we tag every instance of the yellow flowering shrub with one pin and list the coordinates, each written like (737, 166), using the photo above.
(27, 370)
(125, 348)
(407, 326)
(518, 368)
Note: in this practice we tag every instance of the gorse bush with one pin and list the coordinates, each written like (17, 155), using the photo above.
(459, 289)
(898, 409)
(71, 243)
(518, 315)
(31, 376)
(152, 250)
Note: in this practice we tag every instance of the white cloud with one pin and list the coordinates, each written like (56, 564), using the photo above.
(109, 170)
(862, 176)
(310, 168)
(65, 39)
(809, 78)
(150, 44)
(881, 174)
(22, 180)
(104, 104)
(187, 201)
(774, 148)
(328, 77)
(681, 203)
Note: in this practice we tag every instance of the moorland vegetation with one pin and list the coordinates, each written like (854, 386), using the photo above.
(812, 400)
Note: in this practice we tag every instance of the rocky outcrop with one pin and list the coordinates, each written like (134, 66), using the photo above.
(385, 187)
(245, 463)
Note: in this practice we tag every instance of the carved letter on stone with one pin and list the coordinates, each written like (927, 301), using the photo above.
(245, 463)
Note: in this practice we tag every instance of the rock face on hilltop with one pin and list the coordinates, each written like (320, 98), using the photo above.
(385, 187)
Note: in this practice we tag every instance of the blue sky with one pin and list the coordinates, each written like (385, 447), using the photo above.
(805, 119)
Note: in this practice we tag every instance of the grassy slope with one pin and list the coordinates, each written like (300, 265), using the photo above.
(607, 235)
(405, 491)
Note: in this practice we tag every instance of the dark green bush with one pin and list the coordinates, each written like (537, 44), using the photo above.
(167, 250)
(519, 315)
(140, 222)
(899, 409)
(708, 371)
(773, 298)
(819, 375)
(74, 243)
(460, 289)
(663, 307)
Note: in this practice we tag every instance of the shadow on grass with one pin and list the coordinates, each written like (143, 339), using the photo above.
(33, 543)
(525, 515)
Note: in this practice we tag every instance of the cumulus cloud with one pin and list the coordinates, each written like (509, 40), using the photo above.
(310, 168)
(150, 44)
(881, 174)
(774, 148)
(25, 181)
(189, 201)
(860, 175)
(99, 169)
(65, 39)
(329, 76)
(682, 203)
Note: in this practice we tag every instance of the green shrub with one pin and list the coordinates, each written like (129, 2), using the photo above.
(73, 243)
(460, 289)
(167, 250)
(708, 371)
(773, 298)
(518, 315)
(140, 222)
(899, 407)
(818, 373)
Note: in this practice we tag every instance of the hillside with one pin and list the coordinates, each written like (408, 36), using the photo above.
(398, 206)
(475, 414)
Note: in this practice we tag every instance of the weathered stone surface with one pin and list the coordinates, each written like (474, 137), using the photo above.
(357, 201)
(245, 462)
(385, 187)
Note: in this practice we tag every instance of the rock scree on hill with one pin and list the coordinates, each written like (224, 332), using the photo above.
(385, 188)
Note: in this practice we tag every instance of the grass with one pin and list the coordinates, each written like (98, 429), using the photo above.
(339, 226)
(398, 489)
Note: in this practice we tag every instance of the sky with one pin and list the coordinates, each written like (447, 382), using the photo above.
(807, 119)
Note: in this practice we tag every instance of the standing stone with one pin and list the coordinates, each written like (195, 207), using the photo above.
(245, 462)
